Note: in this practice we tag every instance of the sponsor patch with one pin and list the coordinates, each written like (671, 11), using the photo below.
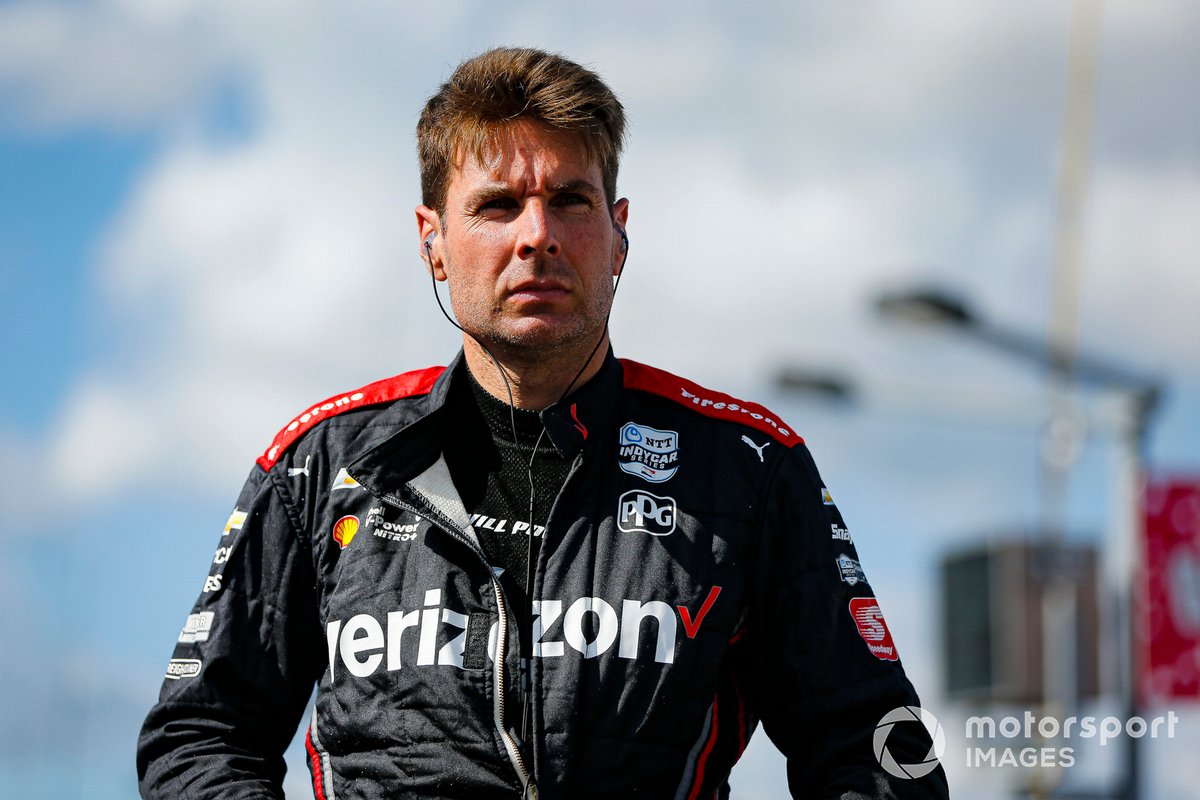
(841, 534)
(235, 522)
(294, 472)
(872, 628)
(344, 530)
(648, 452)
(197, 627)
(495, 525)
(183, 668)
(851, 570)
(643, 512)
(380, 526)
(758, 448)
(344, 481)
(826, 497)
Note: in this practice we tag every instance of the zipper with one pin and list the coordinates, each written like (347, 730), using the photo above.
(510, 743)
(529, 788)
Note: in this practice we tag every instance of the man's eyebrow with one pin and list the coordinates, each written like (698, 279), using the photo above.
(490, 191)
(496, 191)
(581, 185)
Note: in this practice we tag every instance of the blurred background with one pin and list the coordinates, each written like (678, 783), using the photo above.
(857, 213)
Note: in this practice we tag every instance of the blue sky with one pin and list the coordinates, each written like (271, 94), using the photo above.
(199, 202)
(60, 190)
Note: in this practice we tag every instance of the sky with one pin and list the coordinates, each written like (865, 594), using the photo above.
(206, 224)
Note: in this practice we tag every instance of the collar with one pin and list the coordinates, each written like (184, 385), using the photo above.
(577, 421)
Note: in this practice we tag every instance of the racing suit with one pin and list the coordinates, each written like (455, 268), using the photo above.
(694, 578)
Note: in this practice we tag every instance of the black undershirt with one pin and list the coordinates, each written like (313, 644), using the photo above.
(492, 476)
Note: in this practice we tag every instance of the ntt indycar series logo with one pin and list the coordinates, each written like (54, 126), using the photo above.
(648, 452)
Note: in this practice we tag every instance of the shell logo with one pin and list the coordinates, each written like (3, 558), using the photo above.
(344, 530)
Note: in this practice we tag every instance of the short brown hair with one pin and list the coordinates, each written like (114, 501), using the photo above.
(494, 89)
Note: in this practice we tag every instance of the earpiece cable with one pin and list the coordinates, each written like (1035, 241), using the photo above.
(527, 609)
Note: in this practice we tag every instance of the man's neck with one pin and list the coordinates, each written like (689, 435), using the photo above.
(536, 382)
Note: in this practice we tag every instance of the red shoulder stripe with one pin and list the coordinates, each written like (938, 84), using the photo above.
(409, 384)
(709, 403)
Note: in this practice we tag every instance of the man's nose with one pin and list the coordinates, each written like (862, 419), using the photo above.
(536, 231)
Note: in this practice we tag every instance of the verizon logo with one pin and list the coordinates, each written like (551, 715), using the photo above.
(589, 626)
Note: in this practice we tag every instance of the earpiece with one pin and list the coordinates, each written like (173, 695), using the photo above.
(624, 238)
(428, 243)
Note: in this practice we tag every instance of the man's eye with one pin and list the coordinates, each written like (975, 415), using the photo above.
(570, 199)
(499, 203)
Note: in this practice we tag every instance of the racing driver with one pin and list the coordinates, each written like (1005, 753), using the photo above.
(540, 571)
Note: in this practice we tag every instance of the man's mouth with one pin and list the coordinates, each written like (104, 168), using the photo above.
(538, 291)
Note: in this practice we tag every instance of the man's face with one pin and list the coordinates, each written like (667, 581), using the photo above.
(527, 244)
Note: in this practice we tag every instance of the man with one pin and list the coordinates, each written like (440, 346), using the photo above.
(541, 571)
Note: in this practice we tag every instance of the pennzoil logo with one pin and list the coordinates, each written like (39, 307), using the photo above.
(344, 530)
(648, 452)
(235, 522)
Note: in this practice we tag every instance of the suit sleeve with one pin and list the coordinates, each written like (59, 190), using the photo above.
(245, 662)
(825, 669)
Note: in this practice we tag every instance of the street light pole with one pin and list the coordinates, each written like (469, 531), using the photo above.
(932, 306)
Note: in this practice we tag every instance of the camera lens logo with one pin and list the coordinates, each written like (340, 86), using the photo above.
(909, 714)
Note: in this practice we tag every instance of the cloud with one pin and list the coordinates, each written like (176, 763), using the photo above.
(850, 151)
(119, 63)
(1141, 292)
(785, 166)
(272, 278)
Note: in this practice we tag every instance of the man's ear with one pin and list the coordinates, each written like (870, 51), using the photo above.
(429, 231)
(620, 217)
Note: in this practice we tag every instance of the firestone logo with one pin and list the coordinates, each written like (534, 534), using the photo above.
(720, 405)
(322, 409)
(908, 715)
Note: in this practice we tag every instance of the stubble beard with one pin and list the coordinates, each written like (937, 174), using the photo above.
(566, 345)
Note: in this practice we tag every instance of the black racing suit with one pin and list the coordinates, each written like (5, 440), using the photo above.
(694, 578)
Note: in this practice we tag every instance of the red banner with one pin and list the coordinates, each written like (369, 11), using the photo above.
(1170, 631)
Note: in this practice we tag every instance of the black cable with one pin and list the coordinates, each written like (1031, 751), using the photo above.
(527, 610)
(512, 414)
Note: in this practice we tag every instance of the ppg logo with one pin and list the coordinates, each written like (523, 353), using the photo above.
(642, 512)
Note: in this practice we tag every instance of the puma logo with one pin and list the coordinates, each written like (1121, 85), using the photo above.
(758, 448)
(294, 471)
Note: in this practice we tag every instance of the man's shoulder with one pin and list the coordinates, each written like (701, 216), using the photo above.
(706, 402)
(415, 383)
